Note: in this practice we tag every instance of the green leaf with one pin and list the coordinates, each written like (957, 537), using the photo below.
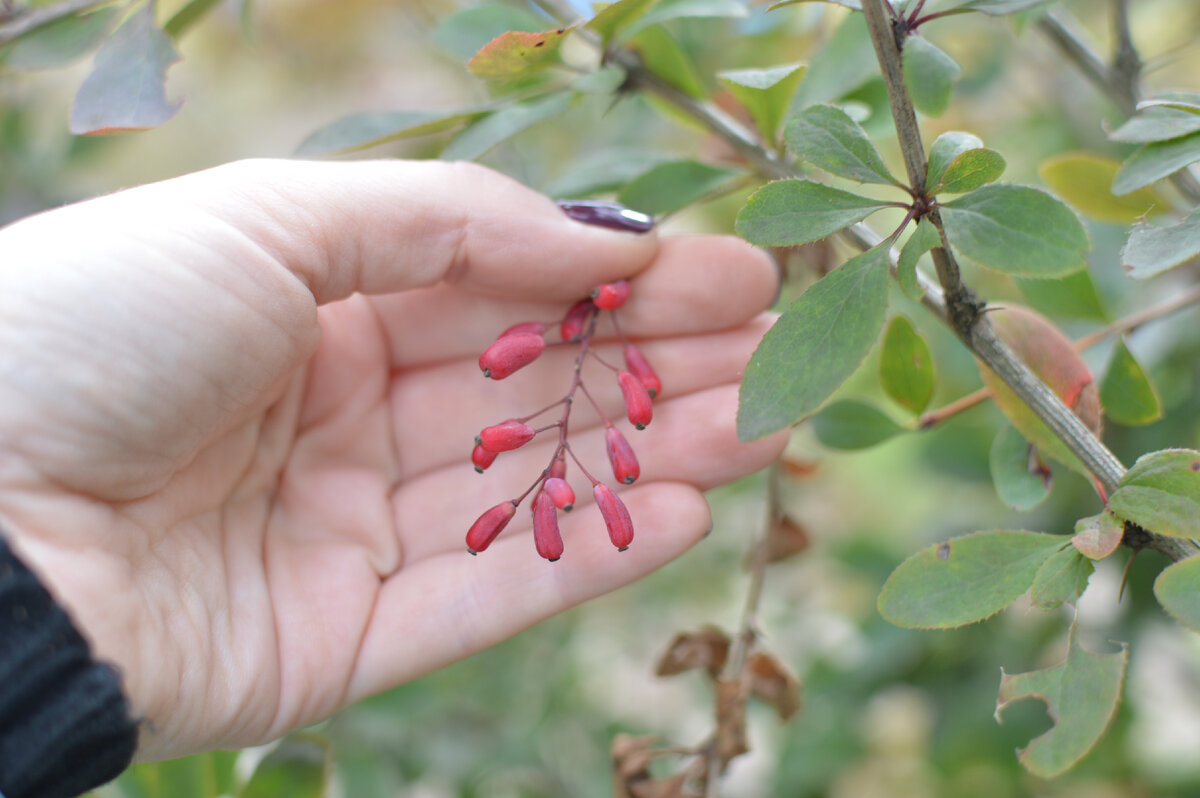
(1161, 124)
(605, 80)
(845, 63)
(1126, 393)
(1018, 474)
(191, 13)
(1154, 161)
(616, 17)
(666, 10)
(465, 32)
(765, 93)
(1081, 696)
(200, 776)
(814, 346)
(1157, 511)
(1174, 470)
(854, 5)
(126, 89)
(1061, 579)
(790, 212)
(503, 124)
(851, 425)
(997, 8)
(827, 137)
(59, 43)
(944, 150)
(969, 170)
(663, 57)
(601, 171)
(518, 54)
(1017, 230)
(923, 239)
(667, 187)
(966, 579)
(1084, 181)
(1150, 251)
(300, 767)
(372, 128)
(929, 74)
(1071, 297)
(1177, 589)
(1182, 102)
(1098, 536)
(905, 366)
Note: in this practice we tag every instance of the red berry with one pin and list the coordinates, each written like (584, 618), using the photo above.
(506, 437)
(636, 362)
(610, 296)
(489, 525)
(616, 516)
(637, 400)
(509, 353)
(620, 454)
(535, 327)
(546, 536)
(559, 467)
(573, 323)
(482, 458)
(560, 492)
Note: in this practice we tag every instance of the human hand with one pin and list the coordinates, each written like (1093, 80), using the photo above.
(236, 411)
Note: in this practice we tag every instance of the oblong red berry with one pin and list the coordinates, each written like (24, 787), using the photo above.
(546, 537)
(482, 458)
(560, 492)
(616, 516)
(535, 327)
(636, 362)
(637, 400)
(489, 525)
(573, 323)
(509, 353)
(558, 468)
(610, 296)
(620, 454)
(506, 437)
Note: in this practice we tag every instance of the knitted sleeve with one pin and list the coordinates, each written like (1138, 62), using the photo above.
(64, 721)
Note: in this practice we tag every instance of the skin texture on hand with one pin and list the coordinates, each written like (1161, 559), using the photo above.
(237, 408)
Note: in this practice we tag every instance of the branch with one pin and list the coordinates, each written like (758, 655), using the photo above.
(1133, 321)
(32, 19)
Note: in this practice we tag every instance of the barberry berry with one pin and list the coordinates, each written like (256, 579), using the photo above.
(489, 525)
(546, 537)
(616, 516)
(636, 362)
(535, 327)
(506, 437)
(482, 458)
(560, 492)
(620, 454)
(610, 296)
(509, 353)
(573, 323)
(637, 400)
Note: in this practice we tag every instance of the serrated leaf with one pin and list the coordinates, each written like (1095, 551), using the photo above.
(1084, 181)
(1071, 297)
(1021, 480)
(845, 63)
(372, 128)
(517, 54)
(666, 10)
(59, 43)
(1126, 393)
(1150, 251)
(494, 128)
(1154, 161)
(126, 89)
(1162, 124)
(667, 187)
(789, 212)
(765, 93)
(465, 32)
(971, 169)
(929, 74)
(1017, 230)
(850, 425)
(617, 16)
(1098, 536)
(1061, 580)
(663, 57)
(826, 136)
(814, 346)
(1161, 493)
(1177, 589)
(906, 366)
(945, 149)
(924, 238)
(966, 579)
(1081, 695)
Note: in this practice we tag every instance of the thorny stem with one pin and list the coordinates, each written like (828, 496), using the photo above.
(33, 18)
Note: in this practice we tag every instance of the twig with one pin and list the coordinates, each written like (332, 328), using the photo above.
(950, 409)
(35, 18)
(1136, 320)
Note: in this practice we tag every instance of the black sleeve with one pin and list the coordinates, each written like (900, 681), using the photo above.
(64, 722)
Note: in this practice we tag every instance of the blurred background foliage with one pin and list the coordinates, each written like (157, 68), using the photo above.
(887, 712)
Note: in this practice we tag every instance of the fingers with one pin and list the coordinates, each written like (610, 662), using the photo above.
(452, 605)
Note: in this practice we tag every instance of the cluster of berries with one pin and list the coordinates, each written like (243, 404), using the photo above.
(520, 345)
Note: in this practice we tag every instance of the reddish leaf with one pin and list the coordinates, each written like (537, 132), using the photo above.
(774, 683)
(126, 89)
(516, 54)
(707, 648)
(1098, 536)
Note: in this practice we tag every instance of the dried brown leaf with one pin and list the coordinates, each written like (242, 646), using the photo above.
(631, 756)
(773, 682)
(785, 538)
(731, 720)
(670, 787)
(707, 648)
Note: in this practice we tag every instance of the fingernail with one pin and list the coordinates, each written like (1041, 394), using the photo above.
(607, 214)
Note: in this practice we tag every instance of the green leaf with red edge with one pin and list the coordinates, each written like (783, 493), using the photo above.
(1161, 493)
(59, 43)
(1081, 695)
(518, 54)
(371, 128)
(1061, 580)
(464, 32)
(1150, 251)
(1177, 589)
(851, 425)
(1126, 393)
(1098, 536)
(906, 366)
(789, 212)
(126, 89)
(1154, 161)
(1021, 479)
(965, 580)
(826, 136)
(929, 74)
(765, 93)
(814, 346)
